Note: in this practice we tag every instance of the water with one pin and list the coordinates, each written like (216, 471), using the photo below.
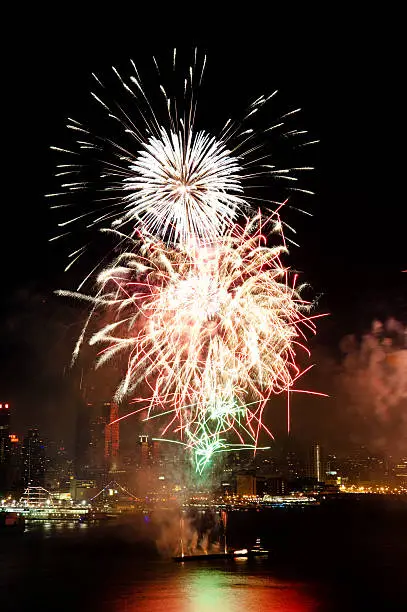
(345, 556)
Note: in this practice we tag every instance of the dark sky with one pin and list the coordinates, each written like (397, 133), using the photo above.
(346, 75)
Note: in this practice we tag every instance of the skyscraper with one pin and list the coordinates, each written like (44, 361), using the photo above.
(4, 431)
(34, 459)
(15, 475)
(144, 450)
(4, 444)
(97, 442)
(111, 435)
(156, 451)
(316, 463)
(82, 439)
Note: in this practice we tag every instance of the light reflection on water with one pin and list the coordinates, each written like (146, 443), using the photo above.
(50, 528)
(230, 587)
(115, 567)
(141, 584)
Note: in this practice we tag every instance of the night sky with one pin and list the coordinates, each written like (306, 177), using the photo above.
(344, 76)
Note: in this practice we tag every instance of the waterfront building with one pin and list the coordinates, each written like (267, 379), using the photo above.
(400, 472)
(34, 461)
(245, 484)
(82, 490)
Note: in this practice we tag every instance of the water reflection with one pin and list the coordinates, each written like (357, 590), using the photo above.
(206, 588)
(50, 528)
(114, 567)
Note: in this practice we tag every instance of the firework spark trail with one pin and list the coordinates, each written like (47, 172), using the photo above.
(159, 171)
(209, 433)
(205, 313)
(213, 330)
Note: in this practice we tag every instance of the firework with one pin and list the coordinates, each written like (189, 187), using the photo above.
(205, 314)
(158, 171)
(214, 331)
(214, 425)
(183, 187)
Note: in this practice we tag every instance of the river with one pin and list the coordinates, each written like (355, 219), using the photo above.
(340, 557)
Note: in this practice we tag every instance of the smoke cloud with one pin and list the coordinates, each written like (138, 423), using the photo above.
(372, 380)
(190, 533)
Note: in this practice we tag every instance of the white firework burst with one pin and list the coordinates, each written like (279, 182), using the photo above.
(184, 188)
(159, 174)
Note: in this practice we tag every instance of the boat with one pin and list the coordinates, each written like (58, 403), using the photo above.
(258, 550)
(248, 553)
(203, 557)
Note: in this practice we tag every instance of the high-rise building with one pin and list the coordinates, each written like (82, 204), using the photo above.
(34, 460)
(156, 451)
(274, 485)
(111, 409)
(15, 472)
(97, 442)
(4, 432)
(144, 450)
(82, 438)
(4, 445)
(316, 463)
(59, 467)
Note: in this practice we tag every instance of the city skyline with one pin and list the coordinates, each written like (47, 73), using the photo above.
(32, 460)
